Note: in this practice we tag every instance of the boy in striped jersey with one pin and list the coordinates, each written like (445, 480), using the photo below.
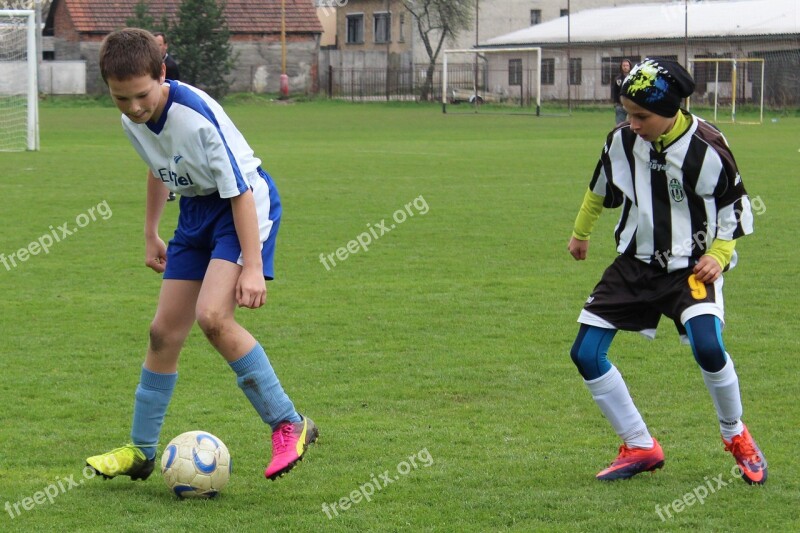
(219, 257)
(683, 205)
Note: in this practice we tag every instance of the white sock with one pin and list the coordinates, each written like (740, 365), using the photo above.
(611, 395)
(724, 389)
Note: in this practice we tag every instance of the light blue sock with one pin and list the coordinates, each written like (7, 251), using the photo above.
(152, 398)
(261, 386)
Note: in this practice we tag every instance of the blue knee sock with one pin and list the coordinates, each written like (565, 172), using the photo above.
(590, 351)
(152, 398)
(261, 386)
(705, 336)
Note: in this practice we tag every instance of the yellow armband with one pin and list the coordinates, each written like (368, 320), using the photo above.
(722, 251)
(589, 212)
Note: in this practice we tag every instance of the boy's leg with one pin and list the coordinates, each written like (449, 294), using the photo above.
(255, 376)
(215, 316)
(719, 375)
(168, 331)
(640, 451)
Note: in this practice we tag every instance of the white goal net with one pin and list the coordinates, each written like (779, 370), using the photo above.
(722, 83)
(19, 113)
(505, 80)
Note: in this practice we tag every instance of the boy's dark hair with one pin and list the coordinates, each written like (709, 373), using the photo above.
(128, 53)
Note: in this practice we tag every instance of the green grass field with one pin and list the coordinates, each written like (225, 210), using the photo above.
(446, 341)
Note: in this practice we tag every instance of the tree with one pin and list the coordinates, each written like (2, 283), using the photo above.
(141, 16)
(201, 40)
(438, 20)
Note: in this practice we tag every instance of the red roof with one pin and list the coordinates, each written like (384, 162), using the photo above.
(243, 16)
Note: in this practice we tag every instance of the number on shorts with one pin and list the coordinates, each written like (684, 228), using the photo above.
(698, 289)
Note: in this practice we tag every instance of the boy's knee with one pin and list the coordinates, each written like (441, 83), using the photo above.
(589, 351)
(705, 336)
(575, 352)
(163, 336)
(210, 322)
(582, 356)
(708, 352)
(158, 337)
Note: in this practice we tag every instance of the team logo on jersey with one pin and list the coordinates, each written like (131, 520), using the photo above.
(168, 176)
(675, 190)
(177, 158)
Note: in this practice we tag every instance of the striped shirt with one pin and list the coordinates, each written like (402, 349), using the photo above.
(674, 202)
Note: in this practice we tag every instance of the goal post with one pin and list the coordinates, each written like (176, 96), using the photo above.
(19, 92)
(722, 83)
(504, 80)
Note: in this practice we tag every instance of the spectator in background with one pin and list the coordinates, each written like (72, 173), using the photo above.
(616, 86)
(173, 73)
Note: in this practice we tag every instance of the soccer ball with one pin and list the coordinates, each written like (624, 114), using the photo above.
(196, 464)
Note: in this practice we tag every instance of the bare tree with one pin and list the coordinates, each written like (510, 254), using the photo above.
(438, 20)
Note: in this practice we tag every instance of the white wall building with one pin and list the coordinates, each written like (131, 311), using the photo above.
(579, 61)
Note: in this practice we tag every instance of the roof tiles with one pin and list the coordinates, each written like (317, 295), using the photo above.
(243, 16)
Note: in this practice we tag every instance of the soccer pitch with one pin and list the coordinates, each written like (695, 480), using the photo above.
(422, 314)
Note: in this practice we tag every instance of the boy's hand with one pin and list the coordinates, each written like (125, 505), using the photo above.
(251, 290)
(578, 248)
(155, 254)
(707, 270)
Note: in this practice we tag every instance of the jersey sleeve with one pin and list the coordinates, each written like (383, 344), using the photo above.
(137, 145)
(602, 182)
(734, 215)
(223, 167)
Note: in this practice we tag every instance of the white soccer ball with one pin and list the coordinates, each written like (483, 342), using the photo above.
(196, 464)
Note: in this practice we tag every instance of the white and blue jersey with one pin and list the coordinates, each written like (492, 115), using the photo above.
(197, 152)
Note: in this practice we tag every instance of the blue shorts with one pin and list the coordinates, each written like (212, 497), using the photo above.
(206, 231)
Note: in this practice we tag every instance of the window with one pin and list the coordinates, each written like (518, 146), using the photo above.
(536, 17)
(548, 71)
(355, 29)
(401, 38)
(575, 71)
(514, 72)
(563, 13)
(382, 27)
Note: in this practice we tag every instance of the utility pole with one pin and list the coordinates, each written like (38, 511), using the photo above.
(475, 80)
(284, 76)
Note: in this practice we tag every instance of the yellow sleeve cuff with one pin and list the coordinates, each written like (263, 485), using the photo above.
(722, 251)
(588, 214)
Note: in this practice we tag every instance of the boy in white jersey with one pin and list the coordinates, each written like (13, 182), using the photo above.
(683, 205)
(220, 256)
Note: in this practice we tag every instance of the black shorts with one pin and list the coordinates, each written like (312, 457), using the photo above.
(633, 295)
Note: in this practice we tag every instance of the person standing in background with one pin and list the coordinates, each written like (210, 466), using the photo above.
(616, 86)
(173, 73)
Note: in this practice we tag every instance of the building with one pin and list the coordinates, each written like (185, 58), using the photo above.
(326, 12)
(78, 27)
(373, 34)
(580, 56)
(499, 17)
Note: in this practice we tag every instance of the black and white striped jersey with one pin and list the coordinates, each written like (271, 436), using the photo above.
(675, 202)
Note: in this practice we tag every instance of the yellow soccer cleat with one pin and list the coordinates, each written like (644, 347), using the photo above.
(128, 460)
